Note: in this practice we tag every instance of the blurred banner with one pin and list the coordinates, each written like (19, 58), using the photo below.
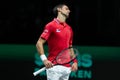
(94, 62)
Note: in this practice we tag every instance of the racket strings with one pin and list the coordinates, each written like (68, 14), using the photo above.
(63, 57)
(66, 56)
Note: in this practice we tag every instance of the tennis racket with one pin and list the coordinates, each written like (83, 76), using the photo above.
(66, 56)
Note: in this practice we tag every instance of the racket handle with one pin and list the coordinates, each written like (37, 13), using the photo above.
(39, 71)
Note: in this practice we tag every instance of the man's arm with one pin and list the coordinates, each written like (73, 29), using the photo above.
(74, 66)
(39, 46)
(40, 49)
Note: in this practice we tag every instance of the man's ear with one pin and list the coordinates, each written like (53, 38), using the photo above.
(58, 9)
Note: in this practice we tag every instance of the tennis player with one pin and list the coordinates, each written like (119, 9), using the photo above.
(59, 35)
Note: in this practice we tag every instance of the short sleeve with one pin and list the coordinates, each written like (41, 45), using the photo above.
(46, 32)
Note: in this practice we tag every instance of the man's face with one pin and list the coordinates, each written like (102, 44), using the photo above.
(65, 11)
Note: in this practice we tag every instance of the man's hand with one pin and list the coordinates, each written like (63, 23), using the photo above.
(47, 63)
(74, 66)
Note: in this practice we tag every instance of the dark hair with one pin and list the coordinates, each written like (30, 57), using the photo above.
(55, 11)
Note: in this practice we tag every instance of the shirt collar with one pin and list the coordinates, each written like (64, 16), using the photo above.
(57, 21)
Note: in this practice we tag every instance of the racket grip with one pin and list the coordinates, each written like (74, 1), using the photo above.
(39, 71)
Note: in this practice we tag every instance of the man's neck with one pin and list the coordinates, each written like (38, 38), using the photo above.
(61, 18)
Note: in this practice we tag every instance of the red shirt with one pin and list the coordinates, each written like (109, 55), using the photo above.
(58, 35)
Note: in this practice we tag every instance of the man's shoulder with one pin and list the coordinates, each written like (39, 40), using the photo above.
(51, 23)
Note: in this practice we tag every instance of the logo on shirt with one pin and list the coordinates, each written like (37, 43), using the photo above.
(57, 30)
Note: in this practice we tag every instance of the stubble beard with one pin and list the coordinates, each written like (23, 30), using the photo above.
(64, 15)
